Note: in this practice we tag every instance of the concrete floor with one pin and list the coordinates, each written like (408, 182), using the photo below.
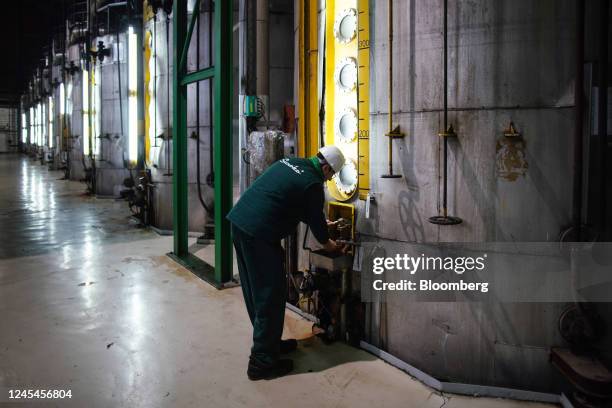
(90, 303)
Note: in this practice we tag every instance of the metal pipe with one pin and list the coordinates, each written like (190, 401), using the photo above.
(109, 6)
(579, 123)
(446, 133)
(602, 110)
(445, 191)
(393, 133)
(390, 144)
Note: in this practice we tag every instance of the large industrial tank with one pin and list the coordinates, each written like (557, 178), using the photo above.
(157, 67)
(504, 190)
(110, 93)
(74, 113)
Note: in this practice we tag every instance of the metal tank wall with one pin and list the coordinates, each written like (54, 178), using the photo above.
(111, 153)
(508, 61)
(55, 158)
(74, 109)
(160, 113)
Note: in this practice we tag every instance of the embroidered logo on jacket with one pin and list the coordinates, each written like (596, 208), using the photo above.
(292, 166)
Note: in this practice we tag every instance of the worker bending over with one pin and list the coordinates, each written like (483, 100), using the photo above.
(290, 191)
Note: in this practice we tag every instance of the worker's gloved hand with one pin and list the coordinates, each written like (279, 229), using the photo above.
(332, 247)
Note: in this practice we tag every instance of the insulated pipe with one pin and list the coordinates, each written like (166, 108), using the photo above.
(578, 129)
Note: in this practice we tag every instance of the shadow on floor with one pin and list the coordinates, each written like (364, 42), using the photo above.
(313, 355)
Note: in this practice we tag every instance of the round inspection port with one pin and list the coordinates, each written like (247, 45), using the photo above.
(346, 179)
(345, 26)
(346, 125)
(346, 75)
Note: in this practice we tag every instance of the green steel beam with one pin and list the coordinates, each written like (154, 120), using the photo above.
(222, 75)
(179, 133)
(196, 76)
(223, 139)
(187, 41)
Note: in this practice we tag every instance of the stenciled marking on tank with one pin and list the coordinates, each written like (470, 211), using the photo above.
(511, 159)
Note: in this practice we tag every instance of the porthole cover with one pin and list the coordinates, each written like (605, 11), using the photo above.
(345, 27)
(346, 179)
(346, 125)
(346, 74)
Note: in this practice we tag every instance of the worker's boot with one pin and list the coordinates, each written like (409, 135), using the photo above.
(287, 346)
(259, 371)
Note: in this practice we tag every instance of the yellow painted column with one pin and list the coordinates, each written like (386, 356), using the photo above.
(363, 94)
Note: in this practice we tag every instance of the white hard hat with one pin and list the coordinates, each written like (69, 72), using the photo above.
(333, 156)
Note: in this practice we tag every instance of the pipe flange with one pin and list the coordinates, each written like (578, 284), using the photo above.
(346, 74)
(346, 179)
(345, 26)
(346, 125)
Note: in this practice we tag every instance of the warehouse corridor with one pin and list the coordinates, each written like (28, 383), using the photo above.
(96, 307)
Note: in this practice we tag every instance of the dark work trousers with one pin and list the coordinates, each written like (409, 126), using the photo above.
(263, 282)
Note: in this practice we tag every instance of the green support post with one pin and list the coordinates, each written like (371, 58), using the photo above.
(223, 138)
(222, 273)
(179, 133)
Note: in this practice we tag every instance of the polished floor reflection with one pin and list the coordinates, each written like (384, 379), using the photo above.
(41, 213)
(90, 303)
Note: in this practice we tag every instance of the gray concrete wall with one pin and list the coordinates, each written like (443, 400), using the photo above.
(508, 61)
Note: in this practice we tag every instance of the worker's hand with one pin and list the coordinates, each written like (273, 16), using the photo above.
(332, 247)
(330, 223)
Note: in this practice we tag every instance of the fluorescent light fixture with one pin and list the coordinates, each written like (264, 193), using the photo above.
(97, 118)
(31, 124)
(43, 124)
(51, 135)
(68, 106)
(132, 96)
(38, 120)
(35, 125)
(62, 97)
(85, 108)
(24, 129)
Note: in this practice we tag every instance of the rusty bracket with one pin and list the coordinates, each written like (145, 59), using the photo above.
(450, 132)
(511, 131)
